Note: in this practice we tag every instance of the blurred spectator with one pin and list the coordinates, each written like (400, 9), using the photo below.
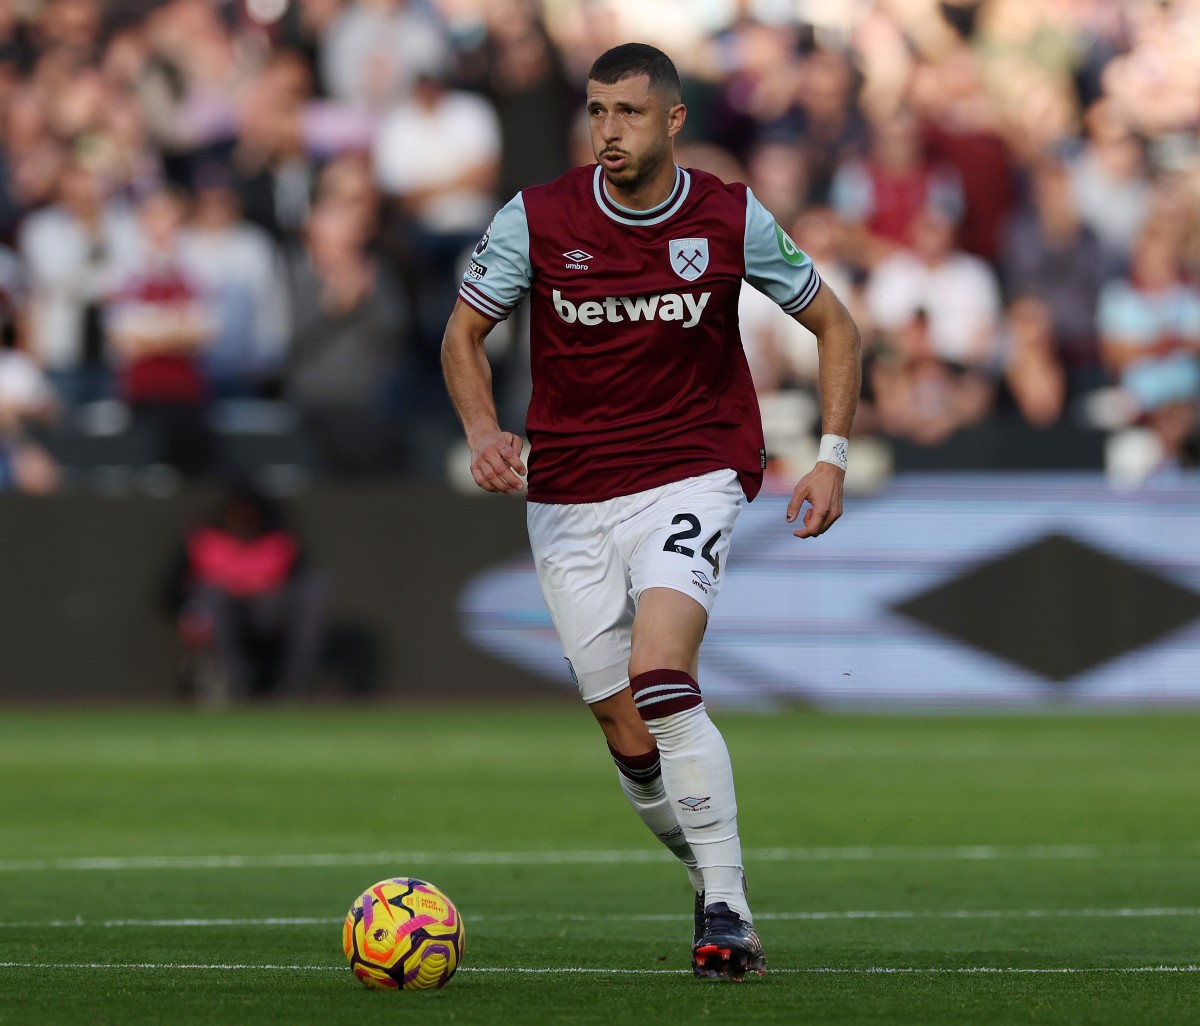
(883, 52)
(374, 51)
(346, 350)
(964, 130)
(879, 195)
(71, 90)
(534, 101)
(1050, 253)
(250, 606)
(707, 157)
(1109, 179)
(415, 119)
(68, 27)
(1149, 324)
(757, 88)
(1177, 201)
(239, 268)
(581, 31)
(1030, 58)
(274, 173)
(31, 159)
(27, 398)
(919, 397)
(833, 128)
(303, 28)
(69, 250)
(347, 182)
(777, 172)
(14, 39)
(121, 145)
(1033, 380)
(954, 294)
(158, 326)
(935, 309)
(437, 156)
(1156, 83)
(192, 83)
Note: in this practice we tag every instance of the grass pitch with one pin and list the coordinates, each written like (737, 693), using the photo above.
(173, 867)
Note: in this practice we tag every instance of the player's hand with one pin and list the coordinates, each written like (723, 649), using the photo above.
(821, 487)
(496, 462)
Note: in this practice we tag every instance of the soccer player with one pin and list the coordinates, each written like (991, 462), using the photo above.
(645, 439)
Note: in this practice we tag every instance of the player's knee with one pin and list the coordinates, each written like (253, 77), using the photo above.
(623, 727)
(647, 659)
(660, 693)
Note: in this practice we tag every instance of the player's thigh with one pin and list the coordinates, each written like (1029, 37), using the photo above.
(586, 590)
(667, 631)
(681, 540)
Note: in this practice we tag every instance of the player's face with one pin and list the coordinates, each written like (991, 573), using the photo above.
(632, 127)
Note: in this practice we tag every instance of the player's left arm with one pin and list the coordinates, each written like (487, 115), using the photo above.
(840, 351)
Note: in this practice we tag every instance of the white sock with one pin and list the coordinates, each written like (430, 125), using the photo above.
(641, 781)
(697, 778)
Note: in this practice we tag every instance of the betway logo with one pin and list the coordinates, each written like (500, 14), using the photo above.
(670, 306)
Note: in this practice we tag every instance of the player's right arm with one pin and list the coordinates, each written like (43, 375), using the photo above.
(495, 454)
(497, 278)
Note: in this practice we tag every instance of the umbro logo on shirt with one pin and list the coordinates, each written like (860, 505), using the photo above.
(578, 259)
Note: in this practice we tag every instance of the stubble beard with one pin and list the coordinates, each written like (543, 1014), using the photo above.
(637, 170)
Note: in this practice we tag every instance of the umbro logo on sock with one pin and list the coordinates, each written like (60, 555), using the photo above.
(694, 804)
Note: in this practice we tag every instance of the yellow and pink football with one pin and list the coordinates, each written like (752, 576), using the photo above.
(403, 934)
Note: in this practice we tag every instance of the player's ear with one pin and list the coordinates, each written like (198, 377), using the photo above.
(676, 116)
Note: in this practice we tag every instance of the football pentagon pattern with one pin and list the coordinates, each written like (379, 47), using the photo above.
(403, 934)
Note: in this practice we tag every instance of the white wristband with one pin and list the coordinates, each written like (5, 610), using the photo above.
(834, 449)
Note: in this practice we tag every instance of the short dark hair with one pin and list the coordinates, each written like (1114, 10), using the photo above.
(630, 59)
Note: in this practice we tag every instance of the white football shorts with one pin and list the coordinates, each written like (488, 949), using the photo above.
(594, 560)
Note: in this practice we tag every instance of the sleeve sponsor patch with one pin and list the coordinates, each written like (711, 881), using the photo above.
(482, 244)
(792, 253)
(476, 270)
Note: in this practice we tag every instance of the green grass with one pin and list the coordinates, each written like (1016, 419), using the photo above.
(904, 869)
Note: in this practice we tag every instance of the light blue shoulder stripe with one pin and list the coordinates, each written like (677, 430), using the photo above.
(499, 273)
(775, 265)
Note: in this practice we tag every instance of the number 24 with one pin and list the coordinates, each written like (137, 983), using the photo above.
(673, 544)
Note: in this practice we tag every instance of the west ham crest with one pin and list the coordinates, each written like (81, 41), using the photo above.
(689, 257)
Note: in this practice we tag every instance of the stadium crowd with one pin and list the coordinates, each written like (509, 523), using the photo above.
(224, 215)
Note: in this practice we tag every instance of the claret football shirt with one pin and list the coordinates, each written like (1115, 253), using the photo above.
(639, 376)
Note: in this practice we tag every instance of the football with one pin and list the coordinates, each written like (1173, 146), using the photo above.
(403, 934)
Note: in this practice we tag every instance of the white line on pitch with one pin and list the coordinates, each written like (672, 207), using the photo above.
(601, 971)
(116, 924)
(525, 858)
(850, 914)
